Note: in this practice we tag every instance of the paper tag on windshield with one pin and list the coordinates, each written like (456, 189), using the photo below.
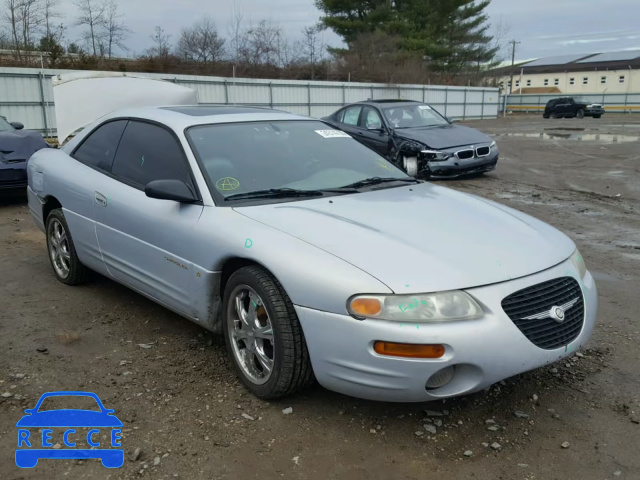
(333, 134)
(424, 107)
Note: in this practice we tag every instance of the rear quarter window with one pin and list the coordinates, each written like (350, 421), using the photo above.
(99, 148)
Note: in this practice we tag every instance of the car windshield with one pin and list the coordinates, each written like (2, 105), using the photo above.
(4, 125)
(413, 115)
(580, 100)
(295, 155)
(64, 402)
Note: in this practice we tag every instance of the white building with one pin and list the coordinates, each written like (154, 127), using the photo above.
(613, 72)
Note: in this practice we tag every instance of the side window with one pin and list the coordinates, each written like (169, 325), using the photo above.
(351, 116)
(371, 119)
(340, 116)
(99, 148)
(148, 152)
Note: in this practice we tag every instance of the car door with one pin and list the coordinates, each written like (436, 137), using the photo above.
(146, 242)
(95, 155)
(372, 132)
(563, 107)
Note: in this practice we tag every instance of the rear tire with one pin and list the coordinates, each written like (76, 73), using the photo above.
(263, 335)
(62, 253)
(545, 116)
(580, 113)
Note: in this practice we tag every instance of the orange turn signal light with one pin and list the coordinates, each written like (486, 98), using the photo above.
(366, 306)
(409, 350)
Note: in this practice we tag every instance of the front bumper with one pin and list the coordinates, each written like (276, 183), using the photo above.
(13, 178)
(590, 112)
(454, 167)
(483, 351)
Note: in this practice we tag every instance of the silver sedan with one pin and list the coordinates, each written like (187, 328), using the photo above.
(313, 255)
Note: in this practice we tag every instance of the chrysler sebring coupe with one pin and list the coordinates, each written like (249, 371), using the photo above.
(313, 255)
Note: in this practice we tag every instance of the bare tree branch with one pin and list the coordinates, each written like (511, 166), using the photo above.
(91, 15)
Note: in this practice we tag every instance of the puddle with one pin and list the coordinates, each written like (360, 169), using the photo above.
(581, 137)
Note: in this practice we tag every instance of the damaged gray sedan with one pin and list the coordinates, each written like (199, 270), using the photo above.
(312, 254)
(416, 138)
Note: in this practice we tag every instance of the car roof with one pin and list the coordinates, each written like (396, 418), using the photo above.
(388, 102)
(181, 117)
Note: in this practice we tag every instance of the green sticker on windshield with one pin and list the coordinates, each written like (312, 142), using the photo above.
(227, 183)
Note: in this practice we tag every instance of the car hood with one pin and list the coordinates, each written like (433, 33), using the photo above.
(69, 418)
(445, 136)
(421, 238)
(18, 145)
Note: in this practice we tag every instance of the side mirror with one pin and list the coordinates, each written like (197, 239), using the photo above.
(17, 125)
(175, 190)
(452, 120)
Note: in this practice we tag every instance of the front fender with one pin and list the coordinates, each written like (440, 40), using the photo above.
(312, 277)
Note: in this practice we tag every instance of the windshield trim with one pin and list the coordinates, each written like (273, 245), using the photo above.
(220, 200)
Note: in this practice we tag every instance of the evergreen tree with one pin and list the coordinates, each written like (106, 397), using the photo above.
(451, 35)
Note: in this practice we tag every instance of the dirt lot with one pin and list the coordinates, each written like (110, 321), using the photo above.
(182, 406)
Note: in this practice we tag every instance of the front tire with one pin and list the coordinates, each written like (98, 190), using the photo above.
(263, 335)
(62, 253)
(410, 165)
(580, 113)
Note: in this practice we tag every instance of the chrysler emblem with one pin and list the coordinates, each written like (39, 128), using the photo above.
(557, 314)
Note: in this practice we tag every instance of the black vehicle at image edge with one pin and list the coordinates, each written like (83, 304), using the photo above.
(572, 107)
(415, 137)
(16, 147)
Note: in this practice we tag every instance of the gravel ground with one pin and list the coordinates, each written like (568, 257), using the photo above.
(189, 417)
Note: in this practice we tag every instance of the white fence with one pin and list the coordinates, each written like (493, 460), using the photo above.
(26, 95)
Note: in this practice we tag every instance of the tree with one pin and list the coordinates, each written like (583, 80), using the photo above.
(91, 15)
(49, 12)
(49, 44)
(201, 42)
(12, 16)
(30, 20)
(451, 35)
(115, 30)
(311, 47)
(162, 43)
(264, 44)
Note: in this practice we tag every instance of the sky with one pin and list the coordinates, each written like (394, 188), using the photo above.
(544, 27)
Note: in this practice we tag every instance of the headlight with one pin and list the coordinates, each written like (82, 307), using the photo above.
(422, 307)
(493, 145)
(435, 155)
(578, 262)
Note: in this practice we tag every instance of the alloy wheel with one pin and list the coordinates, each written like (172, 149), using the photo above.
(59, 248)
(251, 334)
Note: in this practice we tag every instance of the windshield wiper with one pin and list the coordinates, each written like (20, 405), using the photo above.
(276, 193)
(378, 180)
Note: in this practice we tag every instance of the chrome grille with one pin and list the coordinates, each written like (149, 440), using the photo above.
(482, 151)
(533, 301)
(465, 154)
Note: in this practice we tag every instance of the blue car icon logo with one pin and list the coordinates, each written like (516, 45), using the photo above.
(38, 428)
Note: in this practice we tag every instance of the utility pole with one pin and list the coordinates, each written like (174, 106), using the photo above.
(513, 61)
(510, 89)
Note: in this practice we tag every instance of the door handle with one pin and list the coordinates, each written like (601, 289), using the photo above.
(101, 199)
